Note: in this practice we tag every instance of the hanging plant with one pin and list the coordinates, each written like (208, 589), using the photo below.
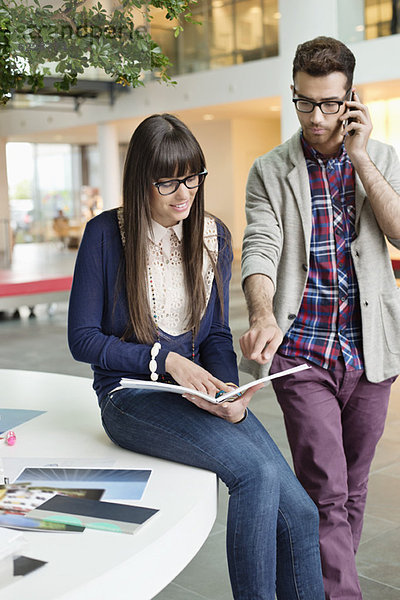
(77, 36)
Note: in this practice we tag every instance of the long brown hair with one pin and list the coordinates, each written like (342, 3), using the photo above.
(161, 146)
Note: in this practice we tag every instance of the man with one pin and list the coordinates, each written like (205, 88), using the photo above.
(320, 290)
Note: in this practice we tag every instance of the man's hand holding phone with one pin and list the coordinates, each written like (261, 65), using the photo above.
(357, 127)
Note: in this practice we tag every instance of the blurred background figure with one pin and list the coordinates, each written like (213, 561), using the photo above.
(61, 227)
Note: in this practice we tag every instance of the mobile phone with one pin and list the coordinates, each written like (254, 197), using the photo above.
(352, 132)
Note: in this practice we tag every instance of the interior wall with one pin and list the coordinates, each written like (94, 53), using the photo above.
(385, 116)
(250, 139)
(230, 148)
(215, 138)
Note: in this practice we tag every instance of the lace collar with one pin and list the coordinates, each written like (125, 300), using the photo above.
(159, 231)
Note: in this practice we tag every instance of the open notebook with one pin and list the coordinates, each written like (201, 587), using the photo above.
(226, 397)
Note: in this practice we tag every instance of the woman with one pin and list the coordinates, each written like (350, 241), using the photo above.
(150, 300)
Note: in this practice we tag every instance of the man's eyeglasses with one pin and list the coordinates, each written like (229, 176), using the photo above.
(191, 181)
(328, 107)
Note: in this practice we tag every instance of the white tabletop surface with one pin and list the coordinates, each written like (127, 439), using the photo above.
(94, 564)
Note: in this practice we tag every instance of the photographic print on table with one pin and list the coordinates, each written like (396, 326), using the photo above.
(17, 500)
(12, 417)
(94, 514)
(118, 484)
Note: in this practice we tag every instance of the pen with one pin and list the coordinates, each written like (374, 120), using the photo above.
(221, 392)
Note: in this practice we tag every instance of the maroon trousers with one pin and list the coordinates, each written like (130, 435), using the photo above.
(334, 420)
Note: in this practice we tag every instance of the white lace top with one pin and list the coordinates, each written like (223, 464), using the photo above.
(166, 270)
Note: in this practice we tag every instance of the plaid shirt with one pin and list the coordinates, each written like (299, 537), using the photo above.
(328, 324)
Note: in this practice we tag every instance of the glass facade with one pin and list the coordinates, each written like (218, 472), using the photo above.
(368, 19)
(231, 32)
(48, 183)
(58, 181)
(381, 18)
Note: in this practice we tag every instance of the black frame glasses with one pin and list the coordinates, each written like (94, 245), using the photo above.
(177, 182)
(335, 104)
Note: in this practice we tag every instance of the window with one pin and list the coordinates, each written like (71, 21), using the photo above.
(48, 183)
(231, 32)
(381, 18)
(368, 19)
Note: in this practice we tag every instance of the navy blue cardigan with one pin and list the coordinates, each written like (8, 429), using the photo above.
(98, 315)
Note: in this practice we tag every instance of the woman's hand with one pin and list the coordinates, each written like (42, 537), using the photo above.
(189, 374)
(230, 411)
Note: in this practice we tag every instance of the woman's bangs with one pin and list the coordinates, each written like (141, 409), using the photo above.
(176, 158)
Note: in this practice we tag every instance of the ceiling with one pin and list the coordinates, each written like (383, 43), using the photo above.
(265, 108)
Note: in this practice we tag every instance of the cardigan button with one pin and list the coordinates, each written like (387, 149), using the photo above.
(291, 316)
(365, 302)
(304, 267)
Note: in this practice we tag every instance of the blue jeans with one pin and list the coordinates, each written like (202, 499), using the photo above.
(272, 529)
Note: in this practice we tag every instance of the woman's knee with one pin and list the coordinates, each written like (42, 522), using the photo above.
(301, 519)
(311, 514)
(261, 474)
(307, 513)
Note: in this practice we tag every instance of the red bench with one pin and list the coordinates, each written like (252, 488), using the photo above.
(14, 294)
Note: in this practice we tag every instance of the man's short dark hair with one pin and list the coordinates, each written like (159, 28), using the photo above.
(322, 56)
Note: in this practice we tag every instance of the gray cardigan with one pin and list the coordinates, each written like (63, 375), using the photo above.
(277, 244)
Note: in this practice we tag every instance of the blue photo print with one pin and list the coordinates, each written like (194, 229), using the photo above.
(12, 417)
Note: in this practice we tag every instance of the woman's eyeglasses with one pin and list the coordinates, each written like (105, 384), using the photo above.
(191, 181)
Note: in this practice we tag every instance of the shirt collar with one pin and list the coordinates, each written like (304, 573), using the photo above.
(311, 153)
(159, 231)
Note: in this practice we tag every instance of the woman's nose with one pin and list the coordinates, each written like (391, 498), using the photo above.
(182, 191)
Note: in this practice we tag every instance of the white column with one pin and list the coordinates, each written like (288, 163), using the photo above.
(5, 229)
(110, 181)
(300, 21)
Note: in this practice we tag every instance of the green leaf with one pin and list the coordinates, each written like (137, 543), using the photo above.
(74, 37)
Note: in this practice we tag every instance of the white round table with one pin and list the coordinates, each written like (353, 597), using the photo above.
(96, 565)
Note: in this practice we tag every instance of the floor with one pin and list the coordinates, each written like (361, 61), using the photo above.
(40, 344)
